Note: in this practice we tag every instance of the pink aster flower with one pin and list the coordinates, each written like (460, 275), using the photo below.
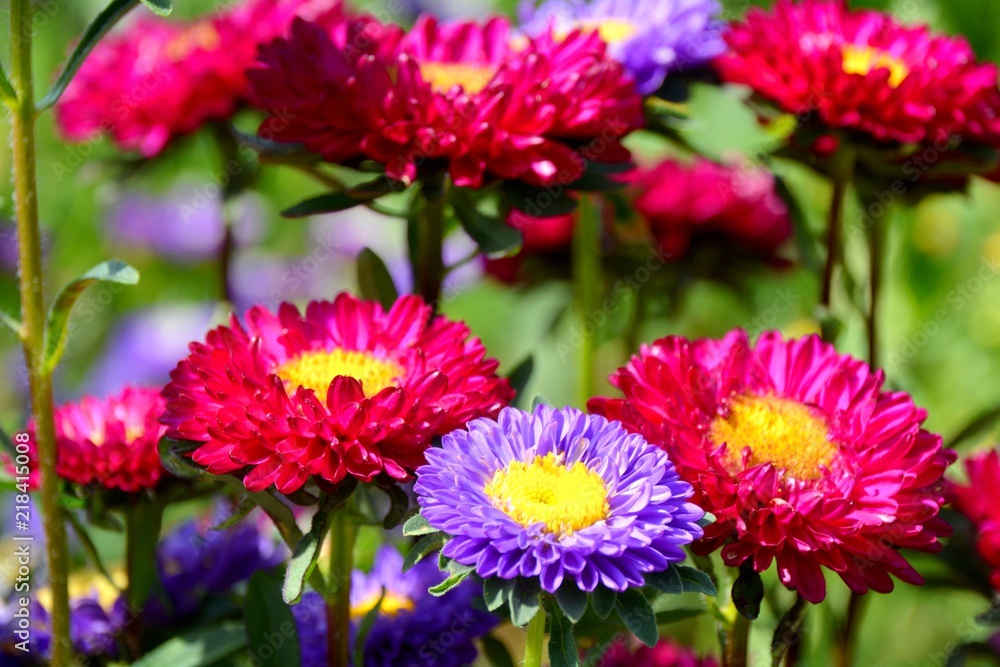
(462, 95)
(685, 202)
(158, 79)
(861, 70)
(665, 654)
(798, 452)
(110, 442)
(541, 236)
(980, 502)
(345, 388)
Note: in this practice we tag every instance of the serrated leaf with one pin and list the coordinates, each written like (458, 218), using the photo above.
(519, 378)
(603, 601)
(637, 615)
(268, 618)
(572, 601)
(56, 330)
(496, 592)
(454, 579)
(363, 629)
(304, 557)
(668, 581)
(197, 648)
(562, 645)
(748, 591)
(696, 581)
(417, 525)
(493, 236)
(374, 281)
(425, 545)
(91, 36)
(159, 7)
(496, 652)
(522, 599)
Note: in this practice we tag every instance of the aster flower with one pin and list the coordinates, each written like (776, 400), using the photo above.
(548, 236)
(652, 39)
(412, 628)
(665, 654)
(111, 442)
(160, 79)
(979, 500)
(683, 202)
(861, 70)
(557, 495)
(459, 95)
(346, 388)
(797, 451)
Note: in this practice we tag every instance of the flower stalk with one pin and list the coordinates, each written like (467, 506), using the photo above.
(738, 646)
(843, 171)
(33, 321)
(343, 532)
(428, 259)
(536, 640)
(587, 290)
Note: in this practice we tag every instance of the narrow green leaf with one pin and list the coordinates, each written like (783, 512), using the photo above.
(242, 510)
(572, 601)
(88, 546)
(173, 460)
(493, 236)
(159, 7)
(522, 598)
(272, 636)
(91, 36)
(198, 648)
(637, 615)
(12, 323)
(425, 545)
(7, 92)
(143, 520)
(696, 581)
(496, 652)
(495, 592)
(562, 646)
(328, 203)
(303, 560)
(374, 281)
(980, 425)
(417, 525)
(7, 444)
(748, 591)
(363, 629)
(603, 601)
(56, 331)
(676, 615)
(519, 378)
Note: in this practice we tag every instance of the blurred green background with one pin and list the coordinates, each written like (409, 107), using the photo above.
(942, 256)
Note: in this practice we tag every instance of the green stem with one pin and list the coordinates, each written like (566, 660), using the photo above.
(788, 636)
(849, 631)
(876, 256)
(536, 640)
(587, 287)
(739, 643)
(428, 267)
(343, 532)
(843, 170)
(33, 319)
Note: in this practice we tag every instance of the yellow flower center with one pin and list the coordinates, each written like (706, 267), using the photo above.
(316, 370)
(611, 31)
(865, 59)
(392, 604)
(202, 36)
(784, 433)
(564, 498)
(87, 583)
(443, 77)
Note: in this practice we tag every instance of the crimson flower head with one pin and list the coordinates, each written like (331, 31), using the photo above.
(159, 79)
(980, 502)
(346, 388)
(859, 69)
(798, 452)
(466, 96)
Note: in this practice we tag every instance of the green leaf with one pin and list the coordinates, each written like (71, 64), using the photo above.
(980, 425)
(536, 400)
(495, 592)
(304, 558)
(398, 507)
(457, 576)
(374, 281)
(12, 323)
(493, 236)
(269, 623)
(989, 617)
(159, 7)
(362, 635)
(198, 648)
(88, 546)
(538, 202)
(7, 444)
(328, 203)
(91, 36)
(143, 520)
(175, 462)
(417, 525)
(562, 646)
(240, 513)
(637, 615)
(424, 546)
(496, 652)
(669, 616)
(748, 591)
(56, 330)
(696, 581)
(7, 92)
(519, 378)
(572, 601)
(603, 601)
(522, 598)
(788, 631)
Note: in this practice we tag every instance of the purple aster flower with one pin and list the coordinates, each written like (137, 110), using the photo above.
(413, 627)
(557, 494)
(651, 38)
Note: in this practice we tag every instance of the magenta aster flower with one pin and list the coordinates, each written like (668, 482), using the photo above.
(797, 451)
(861, 70)
(346, 388)
(457, 94)
(979, 500)
(159, 79)
(665, 654)
(557, 495)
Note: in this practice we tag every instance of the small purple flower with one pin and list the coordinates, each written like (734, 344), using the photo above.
(557, 495)
(651, 38)
(413, 627)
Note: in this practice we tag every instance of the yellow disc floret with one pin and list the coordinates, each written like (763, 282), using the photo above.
(444, 76)
(611, 31)
(779, 431)
(315, 370)
(392, 604)
(865, 59)
(564, 498)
